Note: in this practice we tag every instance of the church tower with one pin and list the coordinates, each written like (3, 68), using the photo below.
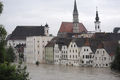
(75, 19)
(97, 22)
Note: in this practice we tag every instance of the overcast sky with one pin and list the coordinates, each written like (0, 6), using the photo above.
(53, 12)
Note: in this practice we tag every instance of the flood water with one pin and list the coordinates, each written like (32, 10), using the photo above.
(61, 72)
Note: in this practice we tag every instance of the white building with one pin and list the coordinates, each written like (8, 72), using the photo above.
(73, 54)
(35, 48)
(86, 56)
(57, 54)
(20, 33)
(101, 58)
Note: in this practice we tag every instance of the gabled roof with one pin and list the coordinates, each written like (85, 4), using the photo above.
(67, 27)
(52, 42)
(21, 32)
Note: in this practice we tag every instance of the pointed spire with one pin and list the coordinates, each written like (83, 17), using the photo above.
(97, 17)
(46, 25)
(75, 11)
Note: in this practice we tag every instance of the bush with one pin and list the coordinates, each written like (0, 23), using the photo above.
(37, 63)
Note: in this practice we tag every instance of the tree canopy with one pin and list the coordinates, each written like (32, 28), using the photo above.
(1, 7)
(116, 63)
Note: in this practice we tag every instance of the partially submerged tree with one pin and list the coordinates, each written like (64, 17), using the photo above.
(10, 55)
(116, 63)
(12, 72)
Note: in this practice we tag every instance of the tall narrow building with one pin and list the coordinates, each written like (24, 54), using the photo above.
(97, 22)
(75, 19)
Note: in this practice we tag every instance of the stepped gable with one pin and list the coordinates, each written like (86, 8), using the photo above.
(67, 27)
(21, 32)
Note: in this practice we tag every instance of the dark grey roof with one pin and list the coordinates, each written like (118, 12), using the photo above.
(21, 32)
(110, 47)
(107, 36)
(116, 29)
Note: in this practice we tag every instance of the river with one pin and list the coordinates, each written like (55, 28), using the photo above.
(61, 72)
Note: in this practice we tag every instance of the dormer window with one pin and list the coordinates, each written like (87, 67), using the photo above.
(84, 49)
(74, 46)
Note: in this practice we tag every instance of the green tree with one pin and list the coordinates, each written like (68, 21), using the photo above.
(10, 55)
(1, 7)
(12, 72)
(3, 34)
(116, 63)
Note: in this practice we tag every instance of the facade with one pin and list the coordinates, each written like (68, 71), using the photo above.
(102, 58)
(35, 48)
(86, 56)
(57, 54)
(82, 51)
(73, 54)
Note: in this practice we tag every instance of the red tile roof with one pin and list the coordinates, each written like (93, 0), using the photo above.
(68, 27)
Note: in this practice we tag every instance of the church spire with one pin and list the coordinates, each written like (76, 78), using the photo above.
(97, 22)
(97, 17)
(75, 11)
(75, 19)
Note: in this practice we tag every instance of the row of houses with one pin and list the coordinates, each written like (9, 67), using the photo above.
(82, 51)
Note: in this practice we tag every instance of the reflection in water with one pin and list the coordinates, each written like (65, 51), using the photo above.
(60, 72)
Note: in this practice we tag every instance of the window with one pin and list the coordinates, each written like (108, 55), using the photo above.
(73, 56)
(76, 56)
(38, 52)
(86, 56)
(70, 50)
(73, 51)
(71, 45)
(104, 58)
(38, 46)
(83, 56)
(82, 61)
(87, 49)
(84, 49)
(74, 45)
(96, 58)
(97, 51)
(76, 51)
(70, 56)
(90, 56)
(38, 41)
(103, 51)
(66, 56)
